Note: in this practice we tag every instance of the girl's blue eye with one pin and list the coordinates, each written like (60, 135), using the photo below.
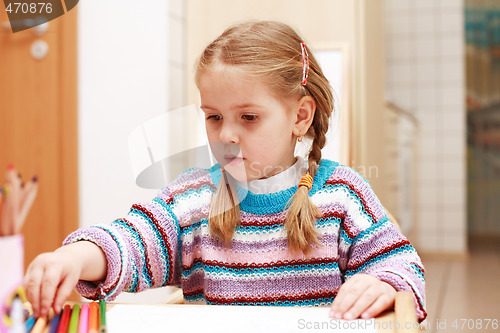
(249, 117)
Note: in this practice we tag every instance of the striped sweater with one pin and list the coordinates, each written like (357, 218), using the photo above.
(167, 242)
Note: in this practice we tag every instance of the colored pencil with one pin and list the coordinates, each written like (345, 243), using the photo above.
(64, 322)
(83, 325)
(29, 195)
(3, 231)
(40, 324)
(73, 322)
(94, 317)
(102, 326)
(54, 323)
(30, 322)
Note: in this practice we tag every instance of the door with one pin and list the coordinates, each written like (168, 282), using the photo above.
(38, 125)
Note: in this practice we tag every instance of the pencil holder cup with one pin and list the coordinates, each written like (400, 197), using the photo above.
(11, 271)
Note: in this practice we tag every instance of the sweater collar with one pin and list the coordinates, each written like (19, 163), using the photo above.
(274, 202)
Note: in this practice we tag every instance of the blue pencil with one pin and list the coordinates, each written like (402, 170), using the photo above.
(30, 322)
(54, 324)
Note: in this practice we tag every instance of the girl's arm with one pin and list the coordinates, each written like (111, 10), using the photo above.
(373, 255)
(51, 277)
(134, 253)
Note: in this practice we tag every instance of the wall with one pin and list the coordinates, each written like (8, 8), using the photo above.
(208, 19)
(425, 76)
(177, 54)
(123, 71)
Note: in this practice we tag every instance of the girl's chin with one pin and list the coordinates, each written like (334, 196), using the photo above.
(238, 173)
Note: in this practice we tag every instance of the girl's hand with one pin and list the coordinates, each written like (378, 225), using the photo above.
(49, 280)
(362, 296)
(51, 277)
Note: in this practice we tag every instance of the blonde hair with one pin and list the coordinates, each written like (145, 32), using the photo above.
(271, 51)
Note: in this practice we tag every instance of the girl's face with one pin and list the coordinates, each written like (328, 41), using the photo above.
(250, 130)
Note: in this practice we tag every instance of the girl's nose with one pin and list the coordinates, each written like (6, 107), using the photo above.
(229, 134)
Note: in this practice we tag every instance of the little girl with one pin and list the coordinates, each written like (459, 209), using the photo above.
(262, 227)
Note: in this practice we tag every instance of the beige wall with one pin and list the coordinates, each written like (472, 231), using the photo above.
(321, 21)
(358, 25)
(368, 95)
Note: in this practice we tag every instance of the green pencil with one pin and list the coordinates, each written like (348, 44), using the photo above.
(102, 306)
(73, 322)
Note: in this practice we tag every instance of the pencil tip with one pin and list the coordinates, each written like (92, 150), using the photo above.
(34, 179)
(10, 166)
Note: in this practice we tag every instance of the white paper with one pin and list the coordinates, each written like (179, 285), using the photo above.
(123, 318)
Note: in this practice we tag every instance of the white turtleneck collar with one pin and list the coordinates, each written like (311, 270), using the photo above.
(279, 182)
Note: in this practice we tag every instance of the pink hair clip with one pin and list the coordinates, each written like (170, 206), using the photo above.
(305, 63)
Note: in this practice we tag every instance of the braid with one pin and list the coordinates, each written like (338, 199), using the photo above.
(224, 215)
(318, 131)
(303, 213)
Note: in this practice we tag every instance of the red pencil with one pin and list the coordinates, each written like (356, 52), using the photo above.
(64, 323)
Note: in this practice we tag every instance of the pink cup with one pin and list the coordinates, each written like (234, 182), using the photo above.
(11, 270)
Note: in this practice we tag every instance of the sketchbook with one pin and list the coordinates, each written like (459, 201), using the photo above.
(123, 318)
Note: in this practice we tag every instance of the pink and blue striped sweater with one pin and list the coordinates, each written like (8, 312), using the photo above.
(167, 242)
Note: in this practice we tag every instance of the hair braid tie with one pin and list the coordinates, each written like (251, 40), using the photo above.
(306, 181)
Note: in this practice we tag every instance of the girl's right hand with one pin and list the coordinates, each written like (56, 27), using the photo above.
(49, 280)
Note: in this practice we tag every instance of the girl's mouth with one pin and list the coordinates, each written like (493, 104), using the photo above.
(233, 160)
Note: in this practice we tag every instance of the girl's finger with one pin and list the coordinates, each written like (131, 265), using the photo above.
(64, 291)
(32, 285)
(50, 282)
(364, 301)
(382, 303)
(349, 292)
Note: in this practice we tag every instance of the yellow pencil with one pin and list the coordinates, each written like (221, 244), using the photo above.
(40, 324)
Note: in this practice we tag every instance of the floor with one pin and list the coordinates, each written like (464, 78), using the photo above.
(463, 294)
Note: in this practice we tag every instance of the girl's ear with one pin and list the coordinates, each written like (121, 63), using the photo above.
(305, 109)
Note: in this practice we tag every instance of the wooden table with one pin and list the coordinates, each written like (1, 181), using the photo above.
(401, 319)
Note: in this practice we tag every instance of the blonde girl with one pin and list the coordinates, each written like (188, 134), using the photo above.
(262, 227)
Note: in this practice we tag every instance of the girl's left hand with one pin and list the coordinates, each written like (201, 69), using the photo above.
(362, 296)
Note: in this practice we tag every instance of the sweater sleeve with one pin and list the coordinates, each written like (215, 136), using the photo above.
(142, 250)
(371, 244)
